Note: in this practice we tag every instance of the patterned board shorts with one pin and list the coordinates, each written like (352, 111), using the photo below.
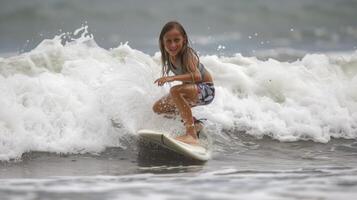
(205, 93)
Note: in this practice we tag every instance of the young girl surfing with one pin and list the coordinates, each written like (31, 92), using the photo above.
(197, 83)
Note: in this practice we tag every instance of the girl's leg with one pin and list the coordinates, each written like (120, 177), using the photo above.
(183, 96)
(165, 105)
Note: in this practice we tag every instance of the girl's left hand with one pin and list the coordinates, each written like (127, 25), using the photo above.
(161, 81)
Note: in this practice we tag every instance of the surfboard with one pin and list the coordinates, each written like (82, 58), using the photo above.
(195, 152)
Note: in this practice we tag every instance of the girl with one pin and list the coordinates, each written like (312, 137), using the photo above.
(197, 84)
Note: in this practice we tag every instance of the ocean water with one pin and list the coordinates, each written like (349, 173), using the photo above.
(75, 88)
(262, 28)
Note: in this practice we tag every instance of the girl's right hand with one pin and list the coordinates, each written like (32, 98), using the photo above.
(161, 81)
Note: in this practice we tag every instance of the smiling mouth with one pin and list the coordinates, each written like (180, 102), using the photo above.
(173, 51)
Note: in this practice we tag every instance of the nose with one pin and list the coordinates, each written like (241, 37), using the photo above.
(172, 45)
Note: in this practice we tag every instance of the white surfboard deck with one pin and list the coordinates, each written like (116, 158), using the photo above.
(196, 152)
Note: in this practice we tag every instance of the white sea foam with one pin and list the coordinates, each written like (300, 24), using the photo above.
(65, 98)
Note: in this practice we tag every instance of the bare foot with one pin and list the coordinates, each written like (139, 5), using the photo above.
(189, 139)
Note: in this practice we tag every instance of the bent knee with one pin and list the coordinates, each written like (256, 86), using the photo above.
(175, 90)
(157, 108)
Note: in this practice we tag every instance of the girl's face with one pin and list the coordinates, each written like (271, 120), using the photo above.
(173, 42)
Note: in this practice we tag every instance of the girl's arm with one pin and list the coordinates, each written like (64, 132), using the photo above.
(193, 75)
(184, 78)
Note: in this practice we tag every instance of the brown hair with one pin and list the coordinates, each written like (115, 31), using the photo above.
(186, 52)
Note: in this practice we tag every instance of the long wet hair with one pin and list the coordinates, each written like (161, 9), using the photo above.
(186, 52)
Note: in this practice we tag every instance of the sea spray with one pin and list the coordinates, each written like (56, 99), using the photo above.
(77, 97)
(310, 98)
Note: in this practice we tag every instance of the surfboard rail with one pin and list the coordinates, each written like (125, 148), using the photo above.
(196, 152)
